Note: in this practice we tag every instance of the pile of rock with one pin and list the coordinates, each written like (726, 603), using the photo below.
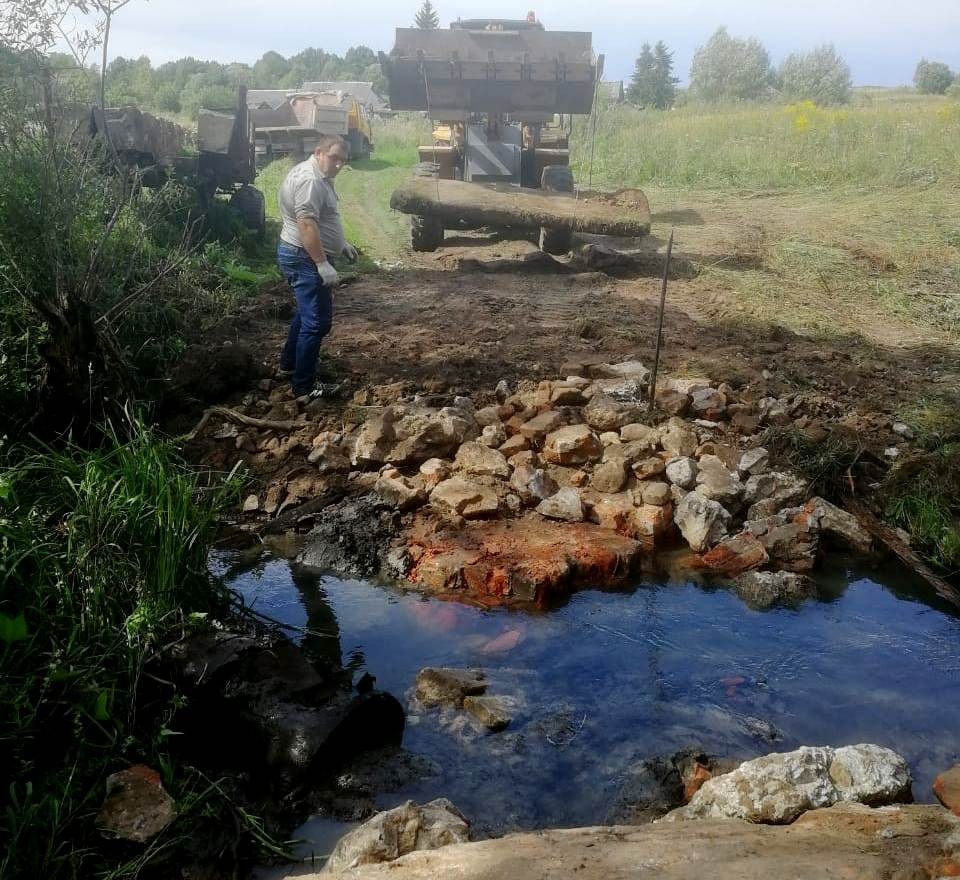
(582, 452)
(462, 689)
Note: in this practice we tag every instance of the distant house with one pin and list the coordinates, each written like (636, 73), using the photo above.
(613, 91)
(362, 91)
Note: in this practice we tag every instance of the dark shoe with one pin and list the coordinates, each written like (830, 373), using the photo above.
(320, 389)
(283, 373)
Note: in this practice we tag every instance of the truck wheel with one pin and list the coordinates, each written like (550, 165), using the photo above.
(248, 201)
(426, 233)
(556, 178)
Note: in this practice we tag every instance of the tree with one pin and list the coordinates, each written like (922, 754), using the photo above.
(427, 18)
(666, 82)
(269, 70)
(730, 69)
(821, 76)
(932, 77)
(642, 88)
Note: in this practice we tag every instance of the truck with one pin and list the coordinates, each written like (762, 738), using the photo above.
(502, 94)
(289, 122)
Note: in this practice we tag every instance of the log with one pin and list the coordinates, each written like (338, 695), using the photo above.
(452, 201)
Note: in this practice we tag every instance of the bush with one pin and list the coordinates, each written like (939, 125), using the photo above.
(730, 69)
(103, 562)
(932, 77)
(821, 76)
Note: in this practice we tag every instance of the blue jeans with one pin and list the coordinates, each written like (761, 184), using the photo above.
(311, 320)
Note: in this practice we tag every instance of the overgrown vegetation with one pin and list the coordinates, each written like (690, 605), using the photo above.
(102, 564)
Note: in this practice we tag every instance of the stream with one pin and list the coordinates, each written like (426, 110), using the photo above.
(611, 678)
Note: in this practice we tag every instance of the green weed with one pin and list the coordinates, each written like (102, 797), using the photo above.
(102, 561)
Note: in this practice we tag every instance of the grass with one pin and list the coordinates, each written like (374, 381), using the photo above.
(103, 564)
(908, 141)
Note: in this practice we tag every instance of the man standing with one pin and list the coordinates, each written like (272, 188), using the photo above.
(311, 234)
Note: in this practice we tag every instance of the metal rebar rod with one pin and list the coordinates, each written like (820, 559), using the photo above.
(663, 301)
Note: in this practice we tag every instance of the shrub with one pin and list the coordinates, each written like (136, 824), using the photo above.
(730, 69)
(103, 562)
(821, 76)
(932, 77)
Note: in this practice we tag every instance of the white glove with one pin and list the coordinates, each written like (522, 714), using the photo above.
(328, 275)
(350, 252)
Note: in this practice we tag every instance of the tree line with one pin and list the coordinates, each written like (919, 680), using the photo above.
(728, 68)
(187, 84)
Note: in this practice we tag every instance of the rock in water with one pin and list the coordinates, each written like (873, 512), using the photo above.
(137, 807)
(776, 789)
(438, 686)
(764, 589)
(489, 711)
(399, 831)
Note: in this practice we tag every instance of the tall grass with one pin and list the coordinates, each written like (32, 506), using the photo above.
(103, 563)
(873, 142)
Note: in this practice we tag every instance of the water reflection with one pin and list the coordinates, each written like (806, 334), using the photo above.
(612, 678)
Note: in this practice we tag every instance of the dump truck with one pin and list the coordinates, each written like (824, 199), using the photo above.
(222, 162)
(502, 94)
(289, 122)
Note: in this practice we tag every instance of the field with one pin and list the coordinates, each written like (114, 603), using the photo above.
(817, 253)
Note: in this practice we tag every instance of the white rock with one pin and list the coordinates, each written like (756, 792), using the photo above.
(702, 522)
(754, 461)
(533, 484)
(565, 504)
(903, 430)
(609, 438)
(677, 437)
(682, 472)
(714, 481)
(493, 436)
(399, 831)
(776, 789)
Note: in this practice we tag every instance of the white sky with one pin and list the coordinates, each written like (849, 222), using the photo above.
(882, 40)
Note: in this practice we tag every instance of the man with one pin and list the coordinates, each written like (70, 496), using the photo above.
(311, 234)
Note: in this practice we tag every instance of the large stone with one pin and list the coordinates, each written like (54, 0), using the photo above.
(575, 444)
(137, 807)
(567, 395)
(769, 493)
(469, 500)
(435, 470)
(609, 476)
(708, 403)
(521, 560)
(613, 511)
(655, 492)
(633, 370)
(833, 522)
(714, 481)
(626, 452)
(735, 555)
(776, 789)
(637, 431)
(397, 491)
(765, 589)
(330, 459)
(672, 402)
(646, 468)
(604, 413)
(678, 438)
(491, 712)
(651, 521)
(443, 686)
(532, 484)
(947, 789)
(493, 436)
(754, 461)
(394, 833)
(513, 445)
(792, 545)
(479, 460)
(702, 522)
(844, 841)
(539, 426)
(410, 435)
(682, 472)
(565, 504)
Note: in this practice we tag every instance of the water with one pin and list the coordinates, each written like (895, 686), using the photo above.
(609, 679)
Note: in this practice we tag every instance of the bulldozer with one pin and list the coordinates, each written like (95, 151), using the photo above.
(502, 94)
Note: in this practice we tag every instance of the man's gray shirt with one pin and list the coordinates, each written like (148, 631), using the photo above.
(304, 193)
